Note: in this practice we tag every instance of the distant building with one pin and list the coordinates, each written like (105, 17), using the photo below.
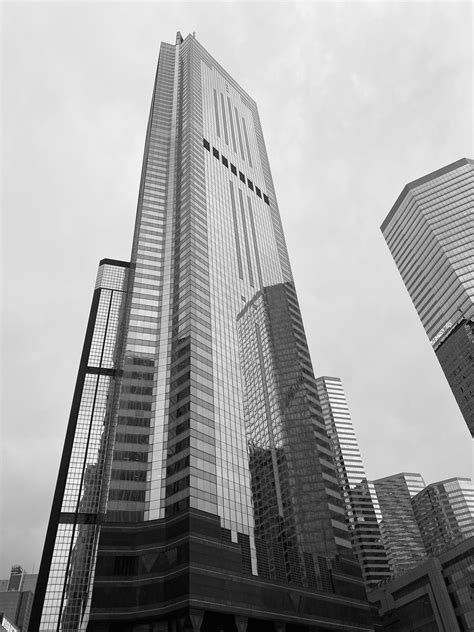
(361, 514)
(16, 597)
(444, 512)
(430, 233)
(436, 596)
(400, 531)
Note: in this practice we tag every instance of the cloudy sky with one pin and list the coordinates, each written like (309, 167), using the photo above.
(355, 99)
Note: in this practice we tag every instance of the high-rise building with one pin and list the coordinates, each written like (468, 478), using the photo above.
(197, 488)
(361, 516)
(400, 532)
(16, 598)
(445, 513)
(430, 233)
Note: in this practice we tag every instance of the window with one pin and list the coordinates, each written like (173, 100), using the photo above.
(215, 153)
(206, 144)
(225, 161)
(233, 169)
(242, 177)
(258, 192)
(250, 184)
(265, 198)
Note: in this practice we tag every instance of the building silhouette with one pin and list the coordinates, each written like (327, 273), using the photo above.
(197, 488)
(430, 233)
(360, 510)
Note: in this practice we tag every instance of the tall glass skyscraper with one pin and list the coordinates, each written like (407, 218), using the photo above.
(361, 513)
(197, 489)
(430, 233)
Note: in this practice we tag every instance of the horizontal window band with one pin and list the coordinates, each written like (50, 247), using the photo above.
(78, 518)
(244, 179)
(101, 371)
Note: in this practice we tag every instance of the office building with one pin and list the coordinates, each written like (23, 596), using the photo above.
(400, 532)
(444, 512)
(361, 516)
(16, 597)
(455, 353)
(430, 233)
(436, 596)
(197, 489)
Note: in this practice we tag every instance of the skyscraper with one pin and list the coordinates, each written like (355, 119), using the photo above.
(361, 514)
(430, 233)
(445, 513)
(400, 532)
(197, 489)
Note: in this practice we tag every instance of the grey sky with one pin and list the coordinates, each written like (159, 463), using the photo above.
(355, 99)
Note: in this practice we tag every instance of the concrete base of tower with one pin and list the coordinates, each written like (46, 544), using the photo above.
(184, 574)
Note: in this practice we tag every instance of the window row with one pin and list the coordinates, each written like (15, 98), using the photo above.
(233, 169)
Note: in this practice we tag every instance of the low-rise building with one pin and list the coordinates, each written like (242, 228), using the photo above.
(436, 596)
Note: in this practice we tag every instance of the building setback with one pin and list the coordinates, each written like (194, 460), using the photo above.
(400, 532)
(197, 489)
(430, 233)
(361, 515)
(445, 513)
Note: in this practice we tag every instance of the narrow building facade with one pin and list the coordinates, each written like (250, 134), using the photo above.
(361, 514)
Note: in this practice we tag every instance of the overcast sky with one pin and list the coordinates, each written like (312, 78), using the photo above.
(356, 100)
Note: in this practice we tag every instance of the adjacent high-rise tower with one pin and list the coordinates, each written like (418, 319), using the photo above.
(361, 511)
(197, 489)
(430, 233)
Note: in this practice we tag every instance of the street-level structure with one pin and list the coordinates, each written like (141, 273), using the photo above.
(436, 595)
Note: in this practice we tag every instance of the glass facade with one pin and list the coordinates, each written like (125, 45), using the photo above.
(81, 489)
(400, 532)
(455, 353)
(297, 507)
(198, 404)
(361, 516)
(430, 232)
(445, 513)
